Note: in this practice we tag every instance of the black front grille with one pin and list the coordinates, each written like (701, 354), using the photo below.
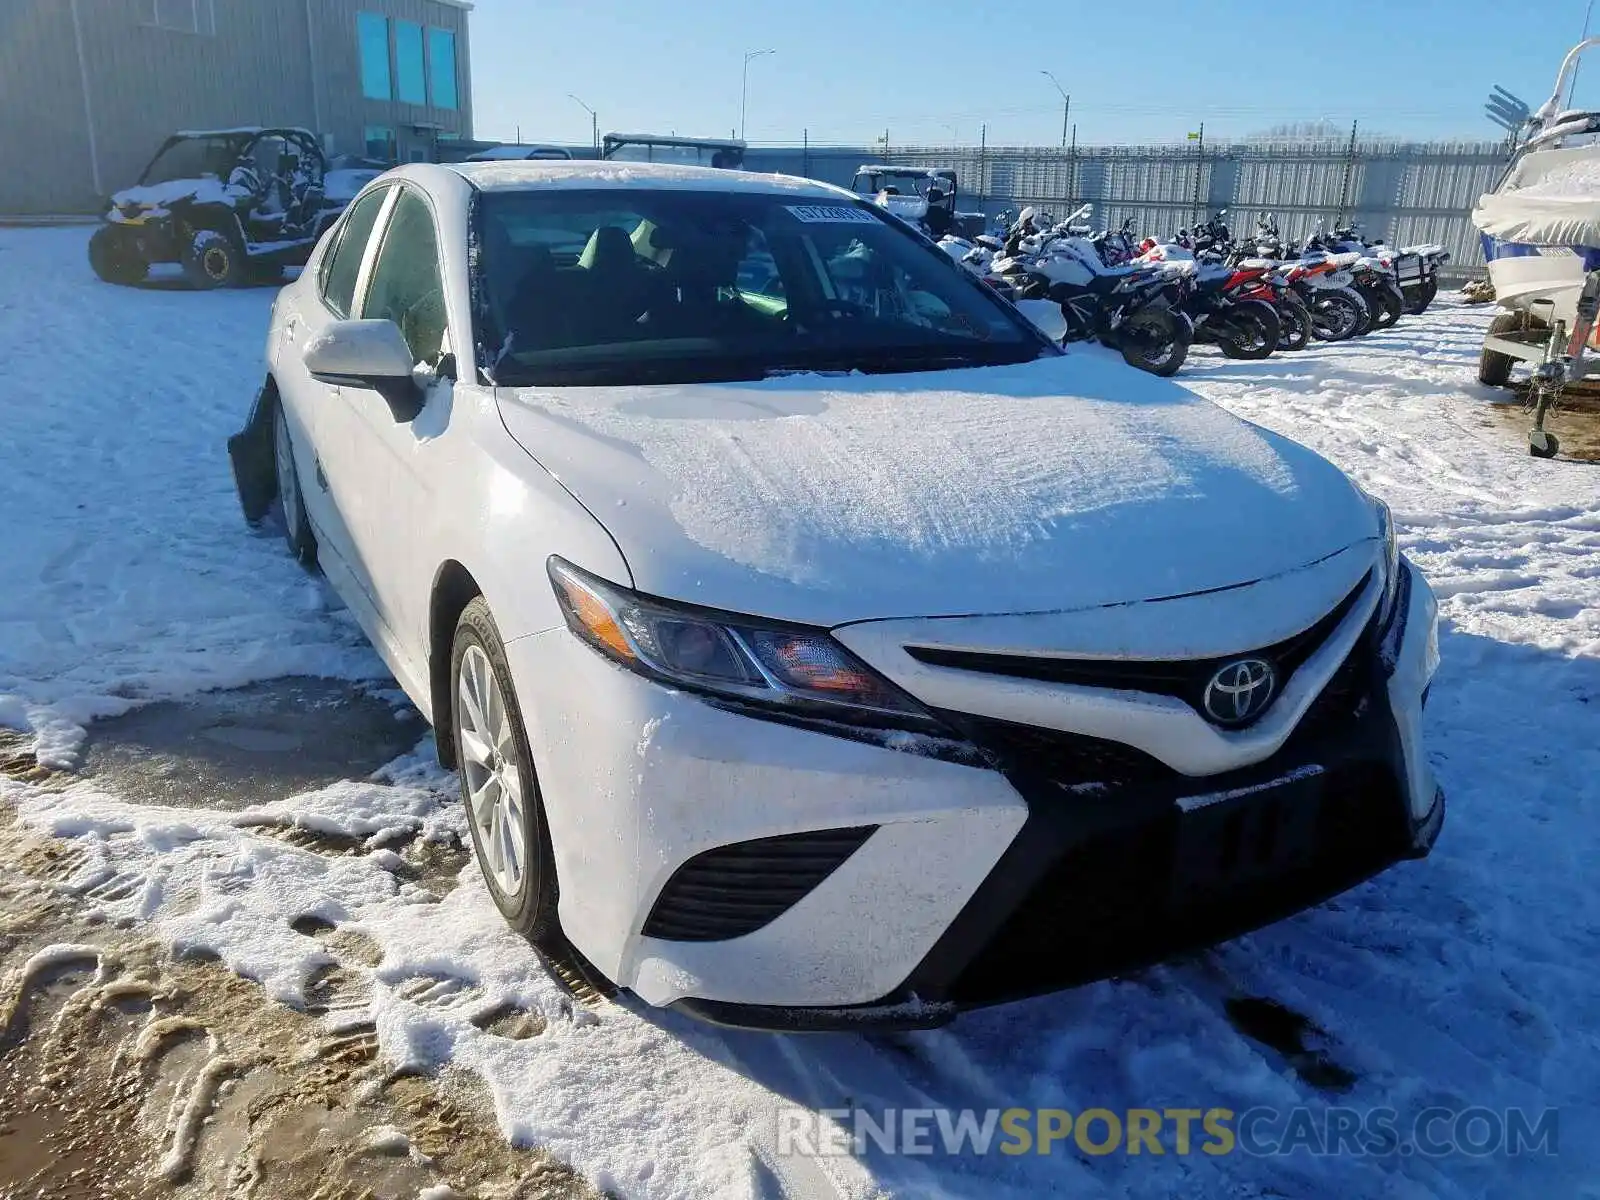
(734, 890)
(1343, 699)
(1117, 900)
(1067, 759)
(1185, 679)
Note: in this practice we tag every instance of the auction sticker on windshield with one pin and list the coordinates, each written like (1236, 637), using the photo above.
(819, 214)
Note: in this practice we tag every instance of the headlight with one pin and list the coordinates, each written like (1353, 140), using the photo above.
(1391, 562)
(786, 667)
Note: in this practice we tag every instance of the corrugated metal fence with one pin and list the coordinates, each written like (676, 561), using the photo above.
(1405, 193)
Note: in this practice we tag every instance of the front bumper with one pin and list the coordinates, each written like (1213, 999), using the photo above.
(154, 234)
(973, 885)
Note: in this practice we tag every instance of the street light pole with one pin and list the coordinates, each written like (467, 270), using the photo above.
(1066, 104)
(594, 121)
(744, 84)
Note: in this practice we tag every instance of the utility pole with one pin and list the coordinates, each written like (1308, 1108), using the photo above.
(805, 152)
(744, 83)
(594, 123)
(1199, 169)
(1072, 170)
(1066, 105)
(983, 166)
(1349, 171)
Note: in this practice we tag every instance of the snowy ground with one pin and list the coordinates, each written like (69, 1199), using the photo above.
(1467, 979)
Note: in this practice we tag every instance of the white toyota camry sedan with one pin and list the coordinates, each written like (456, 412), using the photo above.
(818, 643)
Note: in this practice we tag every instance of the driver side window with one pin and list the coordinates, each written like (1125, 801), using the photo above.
(406, 284)
(342, 264)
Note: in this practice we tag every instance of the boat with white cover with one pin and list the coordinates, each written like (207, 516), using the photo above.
(1541, 239)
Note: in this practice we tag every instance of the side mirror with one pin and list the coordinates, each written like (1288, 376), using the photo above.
(367, 354)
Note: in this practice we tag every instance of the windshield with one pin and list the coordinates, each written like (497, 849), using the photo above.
(192, 158)
(870, 184)
(659, 286)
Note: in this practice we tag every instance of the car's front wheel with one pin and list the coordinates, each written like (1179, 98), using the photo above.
(291, 504)
(115, 257)
(498, 786)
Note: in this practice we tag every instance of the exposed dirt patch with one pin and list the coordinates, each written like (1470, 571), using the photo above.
(127, 1074)
(1575, 420)
(1304, 1045)
(18, 761)
(251, 745)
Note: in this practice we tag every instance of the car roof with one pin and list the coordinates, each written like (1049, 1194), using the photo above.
(536, 174)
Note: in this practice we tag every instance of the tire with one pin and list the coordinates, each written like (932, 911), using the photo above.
(212, 260)
(1336, 314)
(1294, 321)
(1250, 330)
(1418, 296)
(1494, 368)
(1154, 340)
(115, 257)
(1388, 304)
(1376, 308)
(290, 498)
(509, 833)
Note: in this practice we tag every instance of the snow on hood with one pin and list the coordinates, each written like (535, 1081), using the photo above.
(207, 190)
(1064, 483)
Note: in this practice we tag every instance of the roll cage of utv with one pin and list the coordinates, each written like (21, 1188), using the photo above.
(923, 196)
(724, 153)
(231, 206)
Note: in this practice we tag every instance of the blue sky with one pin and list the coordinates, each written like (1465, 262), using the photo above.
(938, 69)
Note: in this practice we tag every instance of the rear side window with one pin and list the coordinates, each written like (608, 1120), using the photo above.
(406, 287)
(343, 264)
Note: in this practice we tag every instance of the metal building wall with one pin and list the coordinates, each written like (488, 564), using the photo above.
(89, 88)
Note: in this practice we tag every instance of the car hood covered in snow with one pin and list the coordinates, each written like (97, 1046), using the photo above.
(1061, 484)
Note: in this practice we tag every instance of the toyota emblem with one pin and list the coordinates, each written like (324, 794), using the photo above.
(1240, 691)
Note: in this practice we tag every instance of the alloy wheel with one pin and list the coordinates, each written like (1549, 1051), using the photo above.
(215, 263)
(288, 481)
(488, 757)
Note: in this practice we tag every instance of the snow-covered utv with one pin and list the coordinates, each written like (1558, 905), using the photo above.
(232, 206)
(921, 196)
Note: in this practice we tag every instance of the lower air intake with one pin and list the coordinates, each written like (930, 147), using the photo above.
(734, 890)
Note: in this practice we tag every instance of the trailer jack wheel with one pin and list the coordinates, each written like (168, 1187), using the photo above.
(1542, 444)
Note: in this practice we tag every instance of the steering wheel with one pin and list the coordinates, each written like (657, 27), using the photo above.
(844, 308)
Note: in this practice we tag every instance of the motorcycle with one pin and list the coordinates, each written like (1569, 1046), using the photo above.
(1371, 272)
(1324, 283)
(1232, 308)
(1122, 307)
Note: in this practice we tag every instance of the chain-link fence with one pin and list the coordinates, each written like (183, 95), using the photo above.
(1404, 193)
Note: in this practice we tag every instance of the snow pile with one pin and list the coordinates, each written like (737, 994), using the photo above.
(641, 1104)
